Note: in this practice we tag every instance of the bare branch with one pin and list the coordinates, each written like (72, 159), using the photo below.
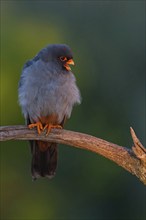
(133, 160)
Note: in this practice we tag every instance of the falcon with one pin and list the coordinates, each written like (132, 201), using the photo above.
(47, 94)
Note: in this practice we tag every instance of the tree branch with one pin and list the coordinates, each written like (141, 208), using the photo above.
(133, 160)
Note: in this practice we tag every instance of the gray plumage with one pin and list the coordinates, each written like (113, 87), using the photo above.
(46, 87)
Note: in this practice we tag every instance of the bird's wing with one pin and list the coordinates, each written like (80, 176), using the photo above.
(63, 121)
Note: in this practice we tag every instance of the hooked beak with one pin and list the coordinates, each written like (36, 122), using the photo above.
(69, 62)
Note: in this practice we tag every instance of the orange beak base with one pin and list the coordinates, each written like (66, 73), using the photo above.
(69, 62)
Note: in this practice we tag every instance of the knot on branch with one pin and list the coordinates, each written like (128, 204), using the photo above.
(138, 148)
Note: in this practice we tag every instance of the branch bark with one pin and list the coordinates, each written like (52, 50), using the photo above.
(133, 160)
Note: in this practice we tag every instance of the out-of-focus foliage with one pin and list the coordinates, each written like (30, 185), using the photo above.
(108, 41)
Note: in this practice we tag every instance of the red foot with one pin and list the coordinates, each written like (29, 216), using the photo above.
(38, 125)
(50, 126)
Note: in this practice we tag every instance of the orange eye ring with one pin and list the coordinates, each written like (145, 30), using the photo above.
(62, 58)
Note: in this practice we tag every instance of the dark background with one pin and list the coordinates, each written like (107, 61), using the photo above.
(108, 42)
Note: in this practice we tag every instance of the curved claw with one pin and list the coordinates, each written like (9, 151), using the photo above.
(38, 125)
(50, 126)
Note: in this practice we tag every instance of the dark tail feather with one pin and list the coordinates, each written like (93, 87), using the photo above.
(44, 162)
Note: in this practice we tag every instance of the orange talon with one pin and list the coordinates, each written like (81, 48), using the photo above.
(50, 126)
(38, 125)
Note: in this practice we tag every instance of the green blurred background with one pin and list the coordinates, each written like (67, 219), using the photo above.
(108, 41)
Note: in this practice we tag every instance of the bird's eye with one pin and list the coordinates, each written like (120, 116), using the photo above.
(62, 58)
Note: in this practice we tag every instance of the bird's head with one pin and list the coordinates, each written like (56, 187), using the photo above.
(58, 53)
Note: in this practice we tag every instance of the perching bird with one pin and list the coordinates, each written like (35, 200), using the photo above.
(47, 94)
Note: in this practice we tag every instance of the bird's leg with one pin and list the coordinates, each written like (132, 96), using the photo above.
(38, 125)
(50, 126)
